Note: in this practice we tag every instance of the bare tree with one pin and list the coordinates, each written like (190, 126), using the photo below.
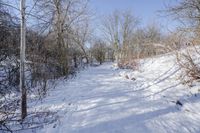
(188, 13)
(62, 21)
(111, 29)
(99, 50)
(153, 33)
(118, 29)
(81, 35)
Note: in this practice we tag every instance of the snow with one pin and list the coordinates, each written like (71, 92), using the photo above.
(102, 100)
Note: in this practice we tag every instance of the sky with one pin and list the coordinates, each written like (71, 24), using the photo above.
(147, 10)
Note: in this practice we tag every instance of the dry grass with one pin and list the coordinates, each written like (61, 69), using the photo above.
(189, 62)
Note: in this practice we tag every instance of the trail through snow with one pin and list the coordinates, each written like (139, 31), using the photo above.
(101, 100)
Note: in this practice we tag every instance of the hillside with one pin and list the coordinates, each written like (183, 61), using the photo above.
(106, 99)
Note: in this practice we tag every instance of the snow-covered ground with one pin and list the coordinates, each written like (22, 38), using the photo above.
(104, 99)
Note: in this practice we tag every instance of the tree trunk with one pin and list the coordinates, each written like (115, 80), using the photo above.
(22, 61)
(62, 46)
(75, 62)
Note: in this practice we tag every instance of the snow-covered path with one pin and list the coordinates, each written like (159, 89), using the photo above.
(102, 100)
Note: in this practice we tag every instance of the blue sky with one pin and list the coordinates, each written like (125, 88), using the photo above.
(147, 10)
